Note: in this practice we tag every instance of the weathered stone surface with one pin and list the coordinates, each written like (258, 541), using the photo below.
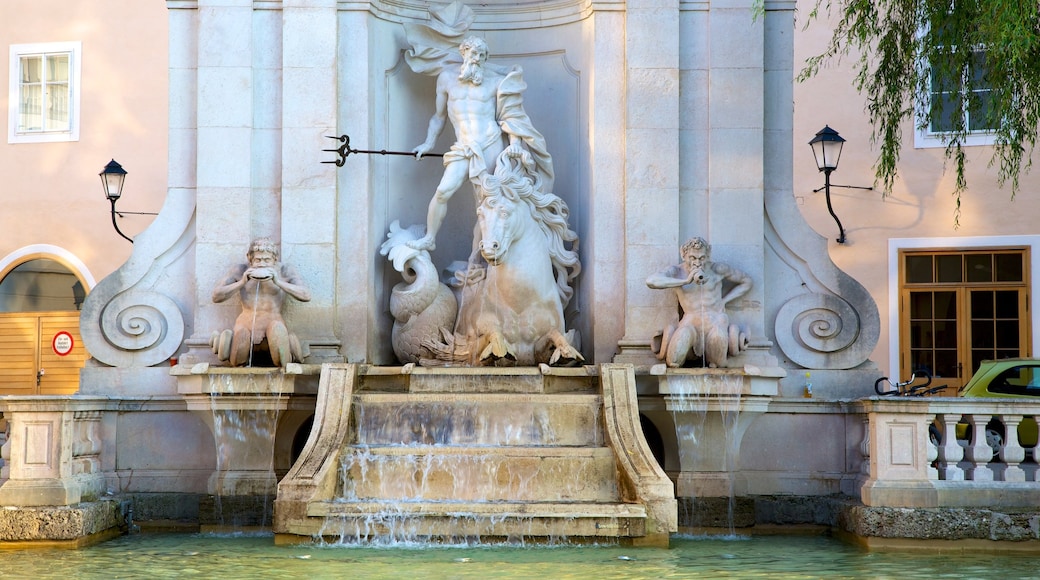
(164, 506)
(716, 512)
(236, 512)
(940, 523)
(843, 514)
(60, 522)
(797, 510)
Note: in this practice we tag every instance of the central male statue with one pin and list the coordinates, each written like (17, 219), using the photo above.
(484, 104)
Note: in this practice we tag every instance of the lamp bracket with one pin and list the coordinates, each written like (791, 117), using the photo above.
(819, 189)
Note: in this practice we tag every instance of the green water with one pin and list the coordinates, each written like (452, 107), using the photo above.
(229, 557)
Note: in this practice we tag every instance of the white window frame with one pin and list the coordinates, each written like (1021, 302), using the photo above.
(926, 139)
(75, 50)
(965, 243)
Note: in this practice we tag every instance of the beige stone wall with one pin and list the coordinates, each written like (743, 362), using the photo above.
(52, 194)
(921, 204)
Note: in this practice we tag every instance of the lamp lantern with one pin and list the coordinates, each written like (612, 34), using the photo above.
(112, 178)
(826, 148)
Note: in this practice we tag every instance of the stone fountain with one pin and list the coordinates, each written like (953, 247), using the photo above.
(512, 446)
(469, 369)
(525, 454)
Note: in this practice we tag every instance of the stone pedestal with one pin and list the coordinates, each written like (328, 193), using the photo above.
(244, 407)
(52, 456)
(712, 409)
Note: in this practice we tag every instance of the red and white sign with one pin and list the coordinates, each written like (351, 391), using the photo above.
(62, 343)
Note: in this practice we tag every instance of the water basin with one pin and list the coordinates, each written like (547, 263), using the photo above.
(256, 556)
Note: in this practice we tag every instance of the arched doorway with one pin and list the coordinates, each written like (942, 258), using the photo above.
(41, 352)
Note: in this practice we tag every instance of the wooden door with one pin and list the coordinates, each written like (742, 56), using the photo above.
(41, 353)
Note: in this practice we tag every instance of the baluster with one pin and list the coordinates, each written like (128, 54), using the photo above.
(1035, 450)
(931, 452)
(1013, 453)
(5, 449)
(978, 452)
(950, 452)
(864, 447)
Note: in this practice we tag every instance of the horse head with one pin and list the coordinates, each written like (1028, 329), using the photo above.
(500, 224)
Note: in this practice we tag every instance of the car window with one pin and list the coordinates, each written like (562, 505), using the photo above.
(1023, 380)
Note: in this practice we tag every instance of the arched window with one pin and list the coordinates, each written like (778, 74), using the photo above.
(41, 285)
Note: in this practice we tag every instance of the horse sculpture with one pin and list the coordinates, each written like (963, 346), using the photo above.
(511, 296)
(516, 311)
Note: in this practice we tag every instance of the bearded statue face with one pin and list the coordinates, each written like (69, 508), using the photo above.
(474, 55)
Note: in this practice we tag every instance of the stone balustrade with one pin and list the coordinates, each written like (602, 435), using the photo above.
(52, 452)
(912, 461)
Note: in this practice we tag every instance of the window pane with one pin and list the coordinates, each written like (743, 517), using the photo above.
(980, 116)
(30, 112)
(946, 305)
(921, 335)
(920, 305)
(946, 334)
(945, 363)
(945, 102)
(922, 359)
(979, 267)
(948, 269)
(918, 269)
(1031, 376)
(1008, 267)
(945, 106)
(1006, 304)
(981, 305)
(58, 68)
(32, 69)
(979, 70)
(977, 356)
(982, 335)
(58, 107)
(1007, 335)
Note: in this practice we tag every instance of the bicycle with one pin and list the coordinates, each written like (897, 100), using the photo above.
(903, 389)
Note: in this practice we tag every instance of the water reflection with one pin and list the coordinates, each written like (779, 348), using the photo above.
(256, 556)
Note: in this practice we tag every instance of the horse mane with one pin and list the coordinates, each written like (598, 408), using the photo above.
(549, 211)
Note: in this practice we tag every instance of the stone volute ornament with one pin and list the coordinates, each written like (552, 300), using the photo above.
(703, 289)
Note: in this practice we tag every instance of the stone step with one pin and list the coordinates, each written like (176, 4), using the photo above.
(491, 419)
(473, 474)
(485, 380)
(403, 520)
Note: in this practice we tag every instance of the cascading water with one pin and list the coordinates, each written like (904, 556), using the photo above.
(243, 483)
(706, 409)
(252, 326)
(489, 467)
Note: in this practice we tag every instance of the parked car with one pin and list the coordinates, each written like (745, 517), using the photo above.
(1004, 378)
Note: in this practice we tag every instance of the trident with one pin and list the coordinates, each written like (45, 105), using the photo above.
(345, 150)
